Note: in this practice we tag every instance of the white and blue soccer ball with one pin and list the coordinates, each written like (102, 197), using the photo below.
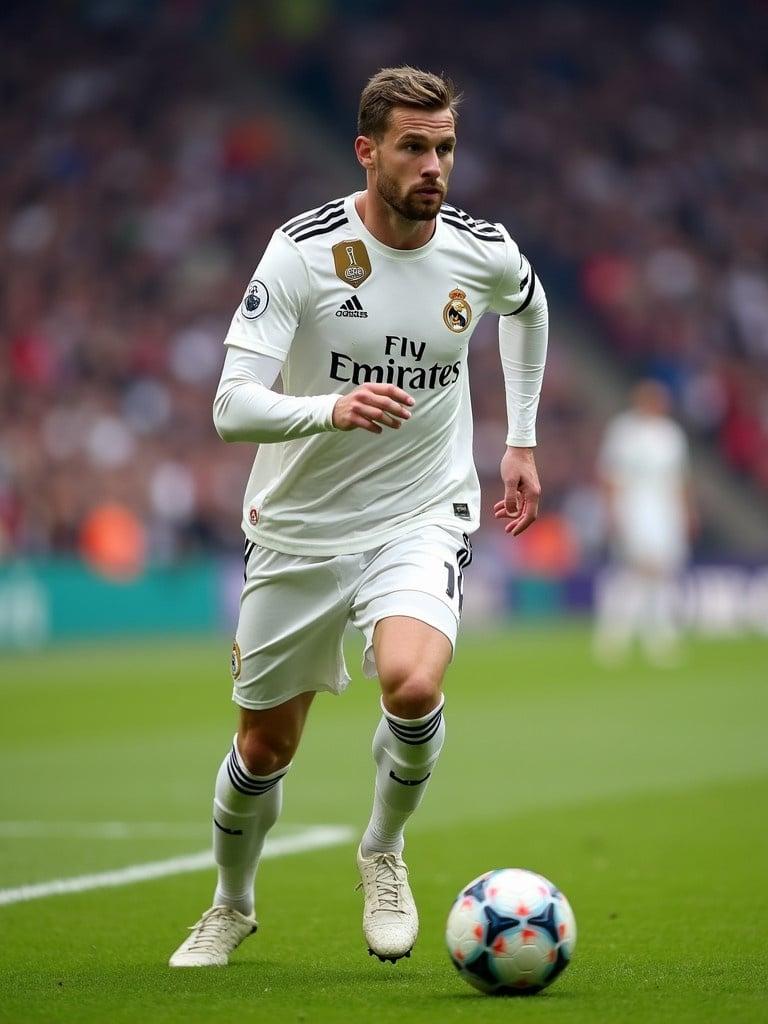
(510, 932)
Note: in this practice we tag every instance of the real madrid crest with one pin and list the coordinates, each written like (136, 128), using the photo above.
(236, 663)
(351, 261)
(457, 312)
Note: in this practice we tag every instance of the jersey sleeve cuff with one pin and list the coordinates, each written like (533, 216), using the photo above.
(326, 405)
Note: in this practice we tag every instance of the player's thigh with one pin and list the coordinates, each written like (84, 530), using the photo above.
(290, 630)
(408, 604)
(411, 659)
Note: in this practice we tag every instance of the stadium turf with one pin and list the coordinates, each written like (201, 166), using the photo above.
(642, 794)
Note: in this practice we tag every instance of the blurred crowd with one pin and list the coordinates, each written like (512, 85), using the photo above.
(136, 194)
(140, 179)
(627, 146)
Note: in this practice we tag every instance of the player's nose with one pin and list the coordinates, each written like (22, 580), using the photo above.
(431, 166)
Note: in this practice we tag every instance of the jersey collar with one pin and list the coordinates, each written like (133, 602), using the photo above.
(403, 255)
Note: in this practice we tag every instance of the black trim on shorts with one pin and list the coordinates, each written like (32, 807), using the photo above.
(249, 546)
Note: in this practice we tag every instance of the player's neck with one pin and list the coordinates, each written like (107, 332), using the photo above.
(388, 226)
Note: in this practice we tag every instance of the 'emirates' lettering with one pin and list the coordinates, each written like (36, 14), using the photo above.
(418, 378)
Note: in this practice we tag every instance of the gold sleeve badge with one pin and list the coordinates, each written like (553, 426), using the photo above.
(457, 312)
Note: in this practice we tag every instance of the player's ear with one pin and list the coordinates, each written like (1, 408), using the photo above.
(364, 150)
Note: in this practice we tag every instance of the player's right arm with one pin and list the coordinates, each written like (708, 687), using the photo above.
(258, 342)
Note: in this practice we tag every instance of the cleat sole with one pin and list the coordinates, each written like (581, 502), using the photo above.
(389, 959)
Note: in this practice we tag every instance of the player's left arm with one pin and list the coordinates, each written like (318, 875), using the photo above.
(523, 332)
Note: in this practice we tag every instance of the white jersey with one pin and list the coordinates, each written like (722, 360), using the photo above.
(341, 309)
(645, 460)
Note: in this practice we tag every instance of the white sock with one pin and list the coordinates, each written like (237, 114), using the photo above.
(659, 632)
(617, 608)
(245, 807)
(405, 750)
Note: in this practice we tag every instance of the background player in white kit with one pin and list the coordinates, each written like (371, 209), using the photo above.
(644, 473)
(364, 491)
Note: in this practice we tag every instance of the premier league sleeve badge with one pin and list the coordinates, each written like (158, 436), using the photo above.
(255, 300)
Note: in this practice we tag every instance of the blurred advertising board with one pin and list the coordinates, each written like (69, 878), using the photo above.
(44, 601)
(51, 600)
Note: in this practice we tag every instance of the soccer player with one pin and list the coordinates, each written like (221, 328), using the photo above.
(644, 473)
(363, 492)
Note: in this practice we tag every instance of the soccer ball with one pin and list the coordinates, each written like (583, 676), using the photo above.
(510, 932)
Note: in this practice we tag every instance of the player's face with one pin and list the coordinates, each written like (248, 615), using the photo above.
(413, 161)
(651, 398)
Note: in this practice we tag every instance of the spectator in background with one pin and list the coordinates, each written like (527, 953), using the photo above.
(643, 468)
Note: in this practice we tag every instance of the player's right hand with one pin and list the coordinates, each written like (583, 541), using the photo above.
(372, 407)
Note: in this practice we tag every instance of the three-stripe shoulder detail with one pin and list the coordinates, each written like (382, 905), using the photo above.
(478, 228)
(461, 226)
(316, 222)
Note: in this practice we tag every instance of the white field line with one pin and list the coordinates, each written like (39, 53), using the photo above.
(312, 839)
(108, 829)
(100, 830)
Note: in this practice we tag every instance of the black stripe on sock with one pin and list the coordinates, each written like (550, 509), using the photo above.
(412, 731)
(229, 831)
(408, 782)
(255, 786)
(245, 784)
(415, 741)
(415, 735)
(241, 787)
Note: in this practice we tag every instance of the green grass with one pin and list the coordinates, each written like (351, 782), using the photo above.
(642, 794)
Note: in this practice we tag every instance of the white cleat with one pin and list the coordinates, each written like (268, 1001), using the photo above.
(217, 934)
(390, 918)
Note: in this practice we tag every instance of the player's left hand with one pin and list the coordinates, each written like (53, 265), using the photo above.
(522, 490)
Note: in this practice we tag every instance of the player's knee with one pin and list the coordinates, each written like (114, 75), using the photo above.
(263, 754)
(411, 693)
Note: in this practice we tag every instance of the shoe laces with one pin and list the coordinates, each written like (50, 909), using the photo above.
(209, 930)
(388, 882)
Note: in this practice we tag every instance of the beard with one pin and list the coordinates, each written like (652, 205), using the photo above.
(410, 206)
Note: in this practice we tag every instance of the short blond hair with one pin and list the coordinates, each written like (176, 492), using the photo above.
(402, 87)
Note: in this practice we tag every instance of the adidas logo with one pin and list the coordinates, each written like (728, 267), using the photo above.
(352, 307)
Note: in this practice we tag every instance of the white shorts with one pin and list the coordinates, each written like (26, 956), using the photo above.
(294, 609)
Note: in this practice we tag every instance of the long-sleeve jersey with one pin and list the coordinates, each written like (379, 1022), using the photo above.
(335, 308)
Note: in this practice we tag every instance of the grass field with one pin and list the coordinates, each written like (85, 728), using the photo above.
(642, 794)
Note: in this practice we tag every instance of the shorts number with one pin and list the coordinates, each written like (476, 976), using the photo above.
(450, 589)
(463, 558)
